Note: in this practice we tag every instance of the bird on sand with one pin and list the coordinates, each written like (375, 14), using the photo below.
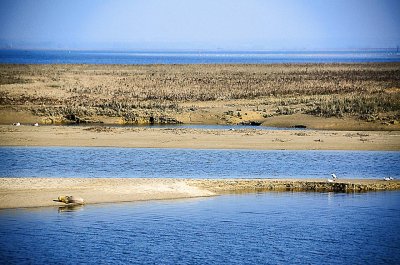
(334, 177)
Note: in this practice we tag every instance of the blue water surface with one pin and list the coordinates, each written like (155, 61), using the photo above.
(263, 228)
(191, 163)
(195, 57)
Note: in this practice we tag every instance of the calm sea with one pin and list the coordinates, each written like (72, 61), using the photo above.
(190, 163)
(263, 228)
(193, 57)
(259, 228)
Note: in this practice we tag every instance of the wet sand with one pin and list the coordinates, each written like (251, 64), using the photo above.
(38, 192)
(97, 136)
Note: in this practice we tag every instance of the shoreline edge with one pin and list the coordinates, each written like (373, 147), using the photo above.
(40, 192)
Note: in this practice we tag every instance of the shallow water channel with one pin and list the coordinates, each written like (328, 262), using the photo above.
(258, 228)
(191, 163)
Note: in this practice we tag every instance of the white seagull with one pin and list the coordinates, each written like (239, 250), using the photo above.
(334, 177)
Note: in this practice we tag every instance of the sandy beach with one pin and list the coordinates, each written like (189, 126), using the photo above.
(37, 192)
(32, 192)
(147, 137)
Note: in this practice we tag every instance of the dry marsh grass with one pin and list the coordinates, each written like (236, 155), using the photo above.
(363, 91)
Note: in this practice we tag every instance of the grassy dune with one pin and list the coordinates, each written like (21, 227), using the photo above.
(227, 94)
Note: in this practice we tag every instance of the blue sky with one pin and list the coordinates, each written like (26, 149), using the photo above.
(200, 24)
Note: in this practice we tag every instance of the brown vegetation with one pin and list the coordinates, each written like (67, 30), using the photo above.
(169, 93)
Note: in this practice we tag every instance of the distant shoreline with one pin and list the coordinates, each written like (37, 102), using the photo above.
(143, 57)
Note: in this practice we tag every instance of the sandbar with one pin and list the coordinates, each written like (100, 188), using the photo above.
(38, 192)
(147, 137)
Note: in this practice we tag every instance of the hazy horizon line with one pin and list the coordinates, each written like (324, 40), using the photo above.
(200, 49)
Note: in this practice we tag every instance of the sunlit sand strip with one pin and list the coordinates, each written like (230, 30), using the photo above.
(199, 139)
(36, 192)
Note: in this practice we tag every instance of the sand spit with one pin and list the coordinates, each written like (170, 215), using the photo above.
(147, 137)
(36, 192)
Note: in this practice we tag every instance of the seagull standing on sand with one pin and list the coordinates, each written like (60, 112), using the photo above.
(334, 177)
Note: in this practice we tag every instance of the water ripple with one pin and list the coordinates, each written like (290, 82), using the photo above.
(300, 228)
(188, 163)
